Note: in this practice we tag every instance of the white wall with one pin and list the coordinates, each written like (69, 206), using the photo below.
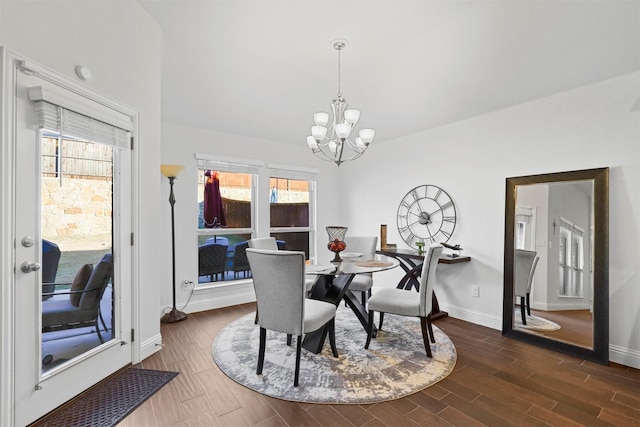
(584, 128)
(180, 143)
(120, 43)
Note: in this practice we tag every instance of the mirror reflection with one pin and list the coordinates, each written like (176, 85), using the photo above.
(556, 262)
(553, 277)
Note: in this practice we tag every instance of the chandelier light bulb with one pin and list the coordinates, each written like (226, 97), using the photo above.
(351, 116)
(333, 146)
(367, 135)
(342, 130)
(321, 119)
(318, 132)
(360, 143)
(311, 142)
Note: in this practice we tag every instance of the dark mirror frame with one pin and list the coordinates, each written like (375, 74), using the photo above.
(600, 350)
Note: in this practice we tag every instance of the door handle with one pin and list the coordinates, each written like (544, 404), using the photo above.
(28, 267)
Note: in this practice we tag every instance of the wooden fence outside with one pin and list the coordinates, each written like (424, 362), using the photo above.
(77, 159)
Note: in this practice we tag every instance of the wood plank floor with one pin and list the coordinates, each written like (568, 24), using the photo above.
(576, 326)
(496, 382)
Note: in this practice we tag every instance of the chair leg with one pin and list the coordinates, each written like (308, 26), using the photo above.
(381, 319)
(102, 320)
(288, 339)
(425, 335)
(522, 311)
(430, 327)
(263, 341)
(298, 351)
(363, 298)
(528, 306)
(98, 331)
(332, 337)
(369, 329)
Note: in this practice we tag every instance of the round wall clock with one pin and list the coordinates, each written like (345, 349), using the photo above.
(426, 214)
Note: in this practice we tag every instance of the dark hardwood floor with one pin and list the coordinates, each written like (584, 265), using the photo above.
(496, 382)
(576, 326)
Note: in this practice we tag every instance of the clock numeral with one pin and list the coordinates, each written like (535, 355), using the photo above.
(438, 194)
(411, 238)
(447, 205)
(405, 204)
(403, 230)
(447, 235)
(449, 219)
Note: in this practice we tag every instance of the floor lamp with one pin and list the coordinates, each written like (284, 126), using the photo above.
(171, 172)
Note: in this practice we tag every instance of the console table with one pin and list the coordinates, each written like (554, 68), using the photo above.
(411, 263)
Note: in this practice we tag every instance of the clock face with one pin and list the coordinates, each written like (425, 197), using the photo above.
(426, 214)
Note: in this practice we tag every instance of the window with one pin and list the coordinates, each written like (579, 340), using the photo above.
(571, 259)
(525, 228)
(290, 220)
(292, 207)
(226, 219)
(233, 216)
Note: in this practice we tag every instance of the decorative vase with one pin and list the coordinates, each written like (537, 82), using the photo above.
(336, 241)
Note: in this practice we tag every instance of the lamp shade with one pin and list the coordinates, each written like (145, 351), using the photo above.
(351, 116)
(321, 119)
(318, 132)
(171, 171)
(342, 130)
(367, 135)
(311, 142)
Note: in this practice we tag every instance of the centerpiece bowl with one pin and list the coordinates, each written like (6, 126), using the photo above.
(336, 241)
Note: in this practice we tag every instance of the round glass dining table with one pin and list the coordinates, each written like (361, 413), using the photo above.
(332, 285)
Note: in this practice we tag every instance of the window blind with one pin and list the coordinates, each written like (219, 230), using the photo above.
(78, 117)
(71, 124)
(228, 165)
(292, 172)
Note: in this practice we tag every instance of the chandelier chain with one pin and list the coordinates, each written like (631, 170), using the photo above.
(339, 83)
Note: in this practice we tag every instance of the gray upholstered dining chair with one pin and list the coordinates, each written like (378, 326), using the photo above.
(407, 302)
(366, 245)
(263, 243)
(272, 244)
(279, 283)
(525, 266)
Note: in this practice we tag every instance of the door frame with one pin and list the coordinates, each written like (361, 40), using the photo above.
(11, 64)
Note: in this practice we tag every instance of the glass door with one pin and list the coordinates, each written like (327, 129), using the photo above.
(72, 276)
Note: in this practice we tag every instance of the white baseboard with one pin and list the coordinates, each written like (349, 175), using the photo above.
(624, 356)
(218, 296)
(213, 302)
(472, 316)
(149, 347)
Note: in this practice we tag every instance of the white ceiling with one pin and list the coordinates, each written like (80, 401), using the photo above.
(262, 68)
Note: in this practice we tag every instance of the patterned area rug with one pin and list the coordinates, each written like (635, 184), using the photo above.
(395, 365)
(534, 323)
(109, 402)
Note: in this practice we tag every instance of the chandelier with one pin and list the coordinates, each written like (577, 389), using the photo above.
(331, 141)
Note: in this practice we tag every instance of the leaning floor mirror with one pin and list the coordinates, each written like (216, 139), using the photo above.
(556, 262)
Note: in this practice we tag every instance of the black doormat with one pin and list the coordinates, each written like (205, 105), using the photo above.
(110, 402)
